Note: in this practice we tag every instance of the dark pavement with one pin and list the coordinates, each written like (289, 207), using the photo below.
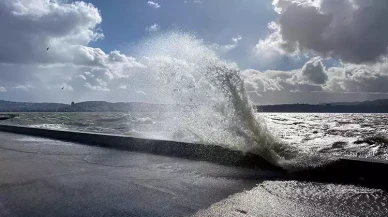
(43, 177)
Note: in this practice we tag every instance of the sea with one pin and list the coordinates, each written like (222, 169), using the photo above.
(331, 134)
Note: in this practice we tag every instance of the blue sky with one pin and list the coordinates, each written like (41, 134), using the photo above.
(125, 21)
(216, 21)
(287, 51)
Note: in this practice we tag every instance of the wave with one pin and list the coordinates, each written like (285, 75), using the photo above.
(213, 106)
(375, 146)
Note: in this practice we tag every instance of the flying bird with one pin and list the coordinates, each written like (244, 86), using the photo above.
(63, 87)
(47, 48)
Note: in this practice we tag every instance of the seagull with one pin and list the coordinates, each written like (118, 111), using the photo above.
(47, 48)
(63, 87)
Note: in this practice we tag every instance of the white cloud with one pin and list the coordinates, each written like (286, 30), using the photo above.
(278, 81)
(358, 78)
(313, 83)
(228, 47)
(236, 39)
(38, 24)
(82, 77)
(21, 87)
(66, 28)
(153, 4)
(153, 28)
(314, 71)
(96, 87)
(3, 89)
(25, 87)
(268, 51)
(352, 30)
(193, 1)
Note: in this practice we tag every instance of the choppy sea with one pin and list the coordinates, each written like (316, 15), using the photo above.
(356, 135)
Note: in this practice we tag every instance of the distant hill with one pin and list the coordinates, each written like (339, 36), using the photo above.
(8, 106)
(89, 106)
(376, 106)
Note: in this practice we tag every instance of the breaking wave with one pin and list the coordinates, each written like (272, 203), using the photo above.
(212, 105)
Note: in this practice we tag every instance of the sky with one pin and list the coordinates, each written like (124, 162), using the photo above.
(287, 51)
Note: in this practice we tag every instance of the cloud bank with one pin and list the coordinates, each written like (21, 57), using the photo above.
(313, 83)
(351, 30)
(44, 47)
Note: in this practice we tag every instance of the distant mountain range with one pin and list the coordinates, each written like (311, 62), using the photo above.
(376, 106)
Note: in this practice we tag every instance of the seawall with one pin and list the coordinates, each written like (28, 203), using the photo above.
(186, 150)
(365, 172)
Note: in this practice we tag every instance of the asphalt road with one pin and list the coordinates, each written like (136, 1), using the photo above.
(43, 177)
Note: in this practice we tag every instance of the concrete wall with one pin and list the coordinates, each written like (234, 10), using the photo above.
(365, 172)
(193, 151)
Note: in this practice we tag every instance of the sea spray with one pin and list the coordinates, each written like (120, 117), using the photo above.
(211, 104)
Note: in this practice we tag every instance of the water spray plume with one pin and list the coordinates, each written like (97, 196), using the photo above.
(212, 105)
